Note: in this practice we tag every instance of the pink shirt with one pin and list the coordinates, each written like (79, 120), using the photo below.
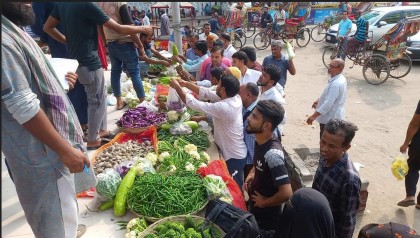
(207, 61)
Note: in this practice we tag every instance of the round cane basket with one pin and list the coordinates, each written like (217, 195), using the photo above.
(150, 229)
(133, 130)
(155, 219)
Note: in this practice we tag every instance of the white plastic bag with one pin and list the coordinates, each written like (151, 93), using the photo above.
(149, 106)
(111, 100)
(174, 102)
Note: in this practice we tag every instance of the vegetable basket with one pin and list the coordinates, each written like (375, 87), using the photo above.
(134, 130)
(148, 134)
(150, 229)
(155, 219)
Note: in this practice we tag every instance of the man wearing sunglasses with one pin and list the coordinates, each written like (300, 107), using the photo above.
(331, 103)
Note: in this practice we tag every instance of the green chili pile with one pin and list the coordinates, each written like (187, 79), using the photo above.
(158, 196)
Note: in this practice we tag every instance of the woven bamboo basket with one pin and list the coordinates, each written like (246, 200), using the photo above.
(182, 218)
(133, 130)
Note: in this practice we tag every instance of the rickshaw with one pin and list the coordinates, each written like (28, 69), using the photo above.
(319, 32)
(231, 24)
(387, 57)
(293, 28)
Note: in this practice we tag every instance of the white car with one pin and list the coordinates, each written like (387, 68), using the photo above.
(381, 20)
(413, 43)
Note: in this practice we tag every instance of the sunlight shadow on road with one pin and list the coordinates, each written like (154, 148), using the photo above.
(378, 97)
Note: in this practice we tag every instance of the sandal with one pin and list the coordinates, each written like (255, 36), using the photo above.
(109, 137)
(406, 203)
(81, 230)
(124, 105)
(95, 147)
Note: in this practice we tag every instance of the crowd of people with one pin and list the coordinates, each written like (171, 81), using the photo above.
(244, 101)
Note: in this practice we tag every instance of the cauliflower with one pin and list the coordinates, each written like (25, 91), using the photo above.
(205, 156)
(172, 168)
(189, 167)
(139, 170)
(202, 165)
(163, 155)
(172, 116)
(190, 147)
(226, 199)
(152, 157)
(194, 154)
(134, 227)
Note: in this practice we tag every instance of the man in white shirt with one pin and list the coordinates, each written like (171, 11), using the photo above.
(226, 110)
(240, 60)
(267, 82)
(146, 21)
(206, 28)
(331, 103)
(229, 49)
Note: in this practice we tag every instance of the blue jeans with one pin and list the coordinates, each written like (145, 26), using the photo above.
(127, 54)
(236, 168)
(78, 98)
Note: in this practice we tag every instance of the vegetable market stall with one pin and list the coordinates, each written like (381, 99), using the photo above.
(159, 156)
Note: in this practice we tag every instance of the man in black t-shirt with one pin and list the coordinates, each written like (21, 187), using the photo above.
(268, 183)
(80, 21)
(412, 142)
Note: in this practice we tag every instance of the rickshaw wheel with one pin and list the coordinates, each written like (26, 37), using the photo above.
(318, 33)
(329, 54)
(376, 69)
(237, 42)
(262, 40)
(250, 31)
(303, 36)
(400, 67)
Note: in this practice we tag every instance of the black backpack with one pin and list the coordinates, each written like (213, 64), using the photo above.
(232, 220)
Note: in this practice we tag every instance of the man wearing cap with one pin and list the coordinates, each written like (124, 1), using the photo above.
(276, 58)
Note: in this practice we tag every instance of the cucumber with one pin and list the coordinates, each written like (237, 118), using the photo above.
(106, 205)
(120, 203)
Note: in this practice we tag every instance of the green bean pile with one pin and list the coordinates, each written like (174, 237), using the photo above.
(158, 196)
(198, 138)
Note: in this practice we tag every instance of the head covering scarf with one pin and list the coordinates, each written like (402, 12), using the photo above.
(307, 214)
(387, 230)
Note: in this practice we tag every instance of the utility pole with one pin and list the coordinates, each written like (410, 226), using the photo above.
(177, 26)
